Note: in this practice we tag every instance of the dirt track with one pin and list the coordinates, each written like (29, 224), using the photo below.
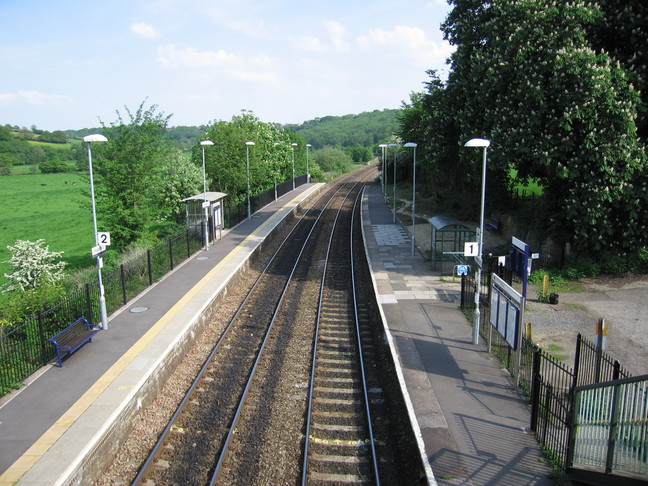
(622, 302)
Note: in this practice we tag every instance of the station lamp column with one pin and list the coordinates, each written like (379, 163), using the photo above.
(479, 143)
(413, 145)
(102, 299)
(308, 146)
(383, 147)
(394, 145)
(247, 171)
(292, 146)
(203, 144)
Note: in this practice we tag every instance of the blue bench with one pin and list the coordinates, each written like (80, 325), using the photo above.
(493, 224)
(73, 337)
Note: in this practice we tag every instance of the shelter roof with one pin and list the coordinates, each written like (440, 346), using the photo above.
(441, 221)
(209, 196)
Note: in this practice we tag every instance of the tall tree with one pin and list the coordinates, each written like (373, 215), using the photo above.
(525, 76)
(270, 157)
(125, 167)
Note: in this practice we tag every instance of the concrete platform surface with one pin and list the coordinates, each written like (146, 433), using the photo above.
(471, 419)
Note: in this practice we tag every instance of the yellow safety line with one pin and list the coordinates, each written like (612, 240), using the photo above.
(24, 463)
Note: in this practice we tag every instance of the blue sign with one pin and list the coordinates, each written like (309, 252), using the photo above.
(462, 270)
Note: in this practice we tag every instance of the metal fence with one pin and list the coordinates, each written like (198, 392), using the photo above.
(24, 347)
(609, 430)
(547, 382)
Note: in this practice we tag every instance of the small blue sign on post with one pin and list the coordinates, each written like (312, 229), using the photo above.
(462, 270)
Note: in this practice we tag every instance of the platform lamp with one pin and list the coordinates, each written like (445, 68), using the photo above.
(247, 171)
(203, 144)
(479, 143)
(89, 139)
(394, 145)
(292, 146)
(383, 147)
(308, 146)
(413, 146)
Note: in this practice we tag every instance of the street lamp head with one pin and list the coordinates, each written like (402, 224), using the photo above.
(391, 145)
(249, 143)
(293, 144)
(477, 142)
(382, 145)
(206, 142)
(308, 145)
(410, 144)
(96, 137)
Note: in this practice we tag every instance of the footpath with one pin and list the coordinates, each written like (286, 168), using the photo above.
(472, 421)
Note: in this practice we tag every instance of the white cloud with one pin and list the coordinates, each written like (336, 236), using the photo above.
(337, 32)
(174, 57)
(233, 65)
(407, 41)
(33, 98)
(145, 30)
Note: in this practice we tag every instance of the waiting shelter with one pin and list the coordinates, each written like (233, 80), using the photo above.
(448, 238)
(195, 211)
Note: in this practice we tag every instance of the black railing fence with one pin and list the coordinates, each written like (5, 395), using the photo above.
(549, 383)
(24, 347)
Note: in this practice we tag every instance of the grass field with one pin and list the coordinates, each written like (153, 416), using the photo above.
(34, 206)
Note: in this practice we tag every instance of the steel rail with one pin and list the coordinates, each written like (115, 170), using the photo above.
(224, 449)
(209, 359)
(309, 411)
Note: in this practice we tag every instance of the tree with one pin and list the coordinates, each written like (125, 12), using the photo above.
(126, 168)
(270, 158)
(176, 178)
(332, 160)
(32, 266)
(525, 76)
(53, 166)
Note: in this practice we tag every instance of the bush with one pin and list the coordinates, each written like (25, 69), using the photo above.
(53, 166)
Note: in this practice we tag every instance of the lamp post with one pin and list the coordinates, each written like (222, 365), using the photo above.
(413, 145)
(292, 146)
(247, 171)
(102, 299)
(483, 143)
(308, 146)
(203, 144)
(394, 145)
(383, 147)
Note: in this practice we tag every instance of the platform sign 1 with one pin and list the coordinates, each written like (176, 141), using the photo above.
(506, 306)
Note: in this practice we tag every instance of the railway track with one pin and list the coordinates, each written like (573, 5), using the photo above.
(285, 394)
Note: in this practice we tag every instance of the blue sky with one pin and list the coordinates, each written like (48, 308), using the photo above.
(67, 64)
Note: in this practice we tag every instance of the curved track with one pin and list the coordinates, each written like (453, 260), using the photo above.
(284, 393)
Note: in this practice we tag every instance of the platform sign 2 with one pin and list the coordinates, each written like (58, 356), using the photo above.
(505, 310)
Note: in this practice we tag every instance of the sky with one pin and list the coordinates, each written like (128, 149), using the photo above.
(71, 64)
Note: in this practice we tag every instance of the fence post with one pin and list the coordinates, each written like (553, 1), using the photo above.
(614, 429)
(171, 253)
(41, 332)
(579, 339)
(123, 282)
(150, 269)
(188, 244)
(535, 389)
(616, 373)
(89, 303)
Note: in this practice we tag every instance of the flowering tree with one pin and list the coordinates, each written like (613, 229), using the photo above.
(526, 76)
(33, 266)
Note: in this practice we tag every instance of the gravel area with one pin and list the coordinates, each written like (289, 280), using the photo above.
(621, 301)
